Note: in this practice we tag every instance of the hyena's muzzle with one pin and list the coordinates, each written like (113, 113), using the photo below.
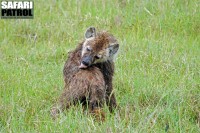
(86, 61)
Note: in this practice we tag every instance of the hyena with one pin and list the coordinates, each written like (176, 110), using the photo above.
(88, 73)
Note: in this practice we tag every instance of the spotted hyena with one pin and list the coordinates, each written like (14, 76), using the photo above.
(88, 73)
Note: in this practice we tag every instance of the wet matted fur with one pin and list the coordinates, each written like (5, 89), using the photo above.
(88, 74)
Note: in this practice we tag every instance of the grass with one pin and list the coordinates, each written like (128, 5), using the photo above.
(157, 74)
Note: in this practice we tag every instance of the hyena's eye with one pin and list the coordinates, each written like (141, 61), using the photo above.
(88, 49)
(97, 57)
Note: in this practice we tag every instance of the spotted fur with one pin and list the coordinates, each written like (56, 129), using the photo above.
(91, 86)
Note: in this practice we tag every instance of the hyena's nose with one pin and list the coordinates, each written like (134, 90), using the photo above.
(86, 61)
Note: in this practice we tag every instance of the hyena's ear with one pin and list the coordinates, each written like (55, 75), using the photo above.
(90, 32)
(113, 49)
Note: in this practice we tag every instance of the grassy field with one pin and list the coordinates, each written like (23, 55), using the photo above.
(157, 77)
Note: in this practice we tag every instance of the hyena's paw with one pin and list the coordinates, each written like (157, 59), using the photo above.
(98, 114)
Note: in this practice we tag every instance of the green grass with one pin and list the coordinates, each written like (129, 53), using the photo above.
(157, 77)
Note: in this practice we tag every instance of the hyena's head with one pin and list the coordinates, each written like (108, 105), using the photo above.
(98, 48)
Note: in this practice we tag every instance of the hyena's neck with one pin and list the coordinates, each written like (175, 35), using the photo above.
(107, 69)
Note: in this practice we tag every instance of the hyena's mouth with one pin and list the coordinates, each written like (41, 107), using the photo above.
(82, 66)
(86, 61)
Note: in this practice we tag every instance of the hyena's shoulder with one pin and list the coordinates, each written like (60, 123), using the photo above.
(72, 62)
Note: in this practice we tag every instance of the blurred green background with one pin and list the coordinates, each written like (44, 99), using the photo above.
(157, 77)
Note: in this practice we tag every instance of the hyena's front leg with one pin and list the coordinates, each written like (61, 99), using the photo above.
(112, 102)
(110, 99)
